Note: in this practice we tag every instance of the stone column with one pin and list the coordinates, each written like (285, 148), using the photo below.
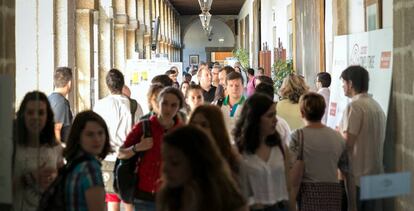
(400, 120)
(141, 28)
(121, 21)
(7, 93)
(148, 23)
(105, 44)
(131, 29)
(340, 17)
(64, 37)
(84, 53)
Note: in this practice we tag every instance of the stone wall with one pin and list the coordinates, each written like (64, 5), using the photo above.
(7, 50)
(7, 91)
(401, 121)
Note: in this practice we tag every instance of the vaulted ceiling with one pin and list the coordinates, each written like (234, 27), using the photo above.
(219, 7)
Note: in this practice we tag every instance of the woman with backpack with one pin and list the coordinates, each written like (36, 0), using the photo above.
(87, 144)
(37, 154)
(262, 172)
(170, 100)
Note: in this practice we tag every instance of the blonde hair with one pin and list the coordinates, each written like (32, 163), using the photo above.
(293, 87)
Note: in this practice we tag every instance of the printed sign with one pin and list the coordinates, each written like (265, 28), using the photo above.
(139, 73)
(385, 185)
(373, 51)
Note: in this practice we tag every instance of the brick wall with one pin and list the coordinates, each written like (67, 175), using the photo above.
(401, 121)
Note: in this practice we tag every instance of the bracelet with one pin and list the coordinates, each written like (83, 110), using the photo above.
(134, 150)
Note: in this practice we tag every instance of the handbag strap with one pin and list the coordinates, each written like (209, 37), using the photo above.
(301, 144)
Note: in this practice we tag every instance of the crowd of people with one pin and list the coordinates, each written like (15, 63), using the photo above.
(217, 142)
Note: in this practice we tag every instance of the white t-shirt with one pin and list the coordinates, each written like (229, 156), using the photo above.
(115, 110)
(282, 127)
(263, 182)
(326, 93)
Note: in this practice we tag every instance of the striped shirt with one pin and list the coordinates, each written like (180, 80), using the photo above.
(85, 175)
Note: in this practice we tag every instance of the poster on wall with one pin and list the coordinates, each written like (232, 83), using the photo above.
(373, 51)
(140, 72)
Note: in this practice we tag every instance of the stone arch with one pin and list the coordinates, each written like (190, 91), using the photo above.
(196, 18)
(195, 41)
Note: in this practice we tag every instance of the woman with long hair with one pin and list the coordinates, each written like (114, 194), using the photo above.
(170, 100)
(292, 88)
(263, 177)
(38, 155)
(195, 175)
(88, 140)
(210, 118)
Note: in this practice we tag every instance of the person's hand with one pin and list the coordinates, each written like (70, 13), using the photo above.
(145, 144)
(44, 176)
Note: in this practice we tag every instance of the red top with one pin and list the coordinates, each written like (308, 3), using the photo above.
(149, 167)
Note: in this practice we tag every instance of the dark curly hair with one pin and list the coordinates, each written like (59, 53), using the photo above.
(247, 130)
(47, 135)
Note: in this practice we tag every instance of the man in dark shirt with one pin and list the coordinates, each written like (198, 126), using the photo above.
(205, 83)
(62, 80)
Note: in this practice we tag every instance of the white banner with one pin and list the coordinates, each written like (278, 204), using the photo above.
(373, 51)
(139, 74)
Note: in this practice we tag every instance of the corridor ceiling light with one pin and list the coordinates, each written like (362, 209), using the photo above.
(205, 5)
(205, 19)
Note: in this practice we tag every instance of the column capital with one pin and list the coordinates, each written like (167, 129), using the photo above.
(132, 24)
(121, 19)
(87, 4)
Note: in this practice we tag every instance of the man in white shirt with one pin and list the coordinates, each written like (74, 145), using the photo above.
(323, 81)
(363, 127)
(115, 110)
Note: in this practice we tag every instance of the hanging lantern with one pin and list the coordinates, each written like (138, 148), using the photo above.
(205, 5)
(205, 19)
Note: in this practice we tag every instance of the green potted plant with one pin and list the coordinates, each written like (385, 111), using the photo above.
(242, 55)
(280, 70)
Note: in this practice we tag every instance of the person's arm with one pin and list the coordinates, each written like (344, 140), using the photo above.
(58, 128)
(296, 167)
(349, 178)
(144, 145)
(135, 142)
(95, 198)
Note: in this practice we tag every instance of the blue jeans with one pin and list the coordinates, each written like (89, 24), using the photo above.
(141, 205)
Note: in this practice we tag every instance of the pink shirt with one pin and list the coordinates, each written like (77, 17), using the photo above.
(251, 87)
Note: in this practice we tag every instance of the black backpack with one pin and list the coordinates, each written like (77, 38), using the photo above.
(125, 174)
(53, 199)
